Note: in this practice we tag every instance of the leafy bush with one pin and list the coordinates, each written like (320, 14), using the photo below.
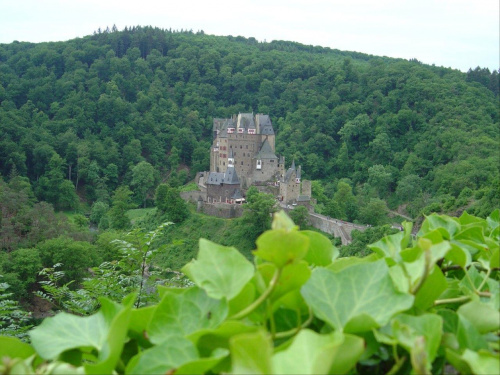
(415, 305)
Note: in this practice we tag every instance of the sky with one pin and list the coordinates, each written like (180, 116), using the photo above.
(460, 34)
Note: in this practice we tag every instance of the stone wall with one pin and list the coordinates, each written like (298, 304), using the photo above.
(306, 187)
(337, 228)
(222, 210)
(192, 196)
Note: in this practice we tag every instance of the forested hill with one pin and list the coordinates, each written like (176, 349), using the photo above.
(390, 130)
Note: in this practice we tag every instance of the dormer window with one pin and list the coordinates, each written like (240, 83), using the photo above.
(241, 130)
(230, 130)
(251, 131)
(297, 180)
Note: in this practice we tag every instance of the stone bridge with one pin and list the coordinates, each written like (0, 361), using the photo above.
(337, 228)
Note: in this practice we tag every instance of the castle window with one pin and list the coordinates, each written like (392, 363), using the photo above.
(247, 147)
(241, 146)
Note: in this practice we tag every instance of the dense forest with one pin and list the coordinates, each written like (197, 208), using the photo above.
(134, 108)
(91, 128)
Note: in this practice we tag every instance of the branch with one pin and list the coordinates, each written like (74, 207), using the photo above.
(250, 308)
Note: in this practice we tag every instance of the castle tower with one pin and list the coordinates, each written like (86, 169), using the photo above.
(281, 167)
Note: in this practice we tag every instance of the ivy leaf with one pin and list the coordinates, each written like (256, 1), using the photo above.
(363, 290)
(483, 317)
(448, 226)
(282, 247)
(208, 340)
(389, 246)
(202, 365)
(104, 331)
(282, 221)
(434, 285)
(341, 263)
(14, 348)
(251, 353)
(312, 353)
(292, 277)
(407, 328)
(221, 271)
(183, 314)
(321, 250)
(471, 362)
(163, 358)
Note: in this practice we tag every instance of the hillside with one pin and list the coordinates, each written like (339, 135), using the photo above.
(398, 133)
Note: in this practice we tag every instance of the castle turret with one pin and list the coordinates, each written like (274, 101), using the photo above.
(298, 175)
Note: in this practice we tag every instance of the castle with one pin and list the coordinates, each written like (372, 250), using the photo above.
(243, 154)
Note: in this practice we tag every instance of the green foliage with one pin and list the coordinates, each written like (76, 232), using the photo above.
(143, 180)
(257, 212)
(361, 239)
(121, 203)
(300, 216)
(75, 256)
(170, 204)
(417, 305)
(86, 112)
(130, 270)
(98, 211)
(81, 221)
(14, 320)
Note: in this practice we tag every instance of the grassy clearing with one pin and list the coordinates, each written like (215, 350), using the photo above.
(139, 213)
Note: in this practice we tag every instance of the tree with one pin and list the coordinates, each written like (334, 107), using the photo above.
(258, 212)
(25, 264)
(374, 213)
(170, 204)
(76, 256)
(97, 211)
(409, 187)
(143, 178)
(380, 178)
(121, 203)
(300, 216)
(345, 201)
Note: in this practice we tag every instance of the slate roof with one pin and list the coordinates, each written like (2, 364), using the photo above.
(230, 177)
(266, 152)
(246, 121)
(266, 127)
(290, 171)
(237, 194)
(215, 178)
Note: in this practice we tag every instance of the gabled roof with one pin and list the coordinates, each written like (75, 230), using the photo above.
(266, 127)
(245, 120)
(266, 152)
(291, 171)
(230, 177)
(237, 194)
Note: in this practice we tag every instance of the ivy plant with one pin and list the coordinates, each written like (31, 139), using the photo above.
(417, 304)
